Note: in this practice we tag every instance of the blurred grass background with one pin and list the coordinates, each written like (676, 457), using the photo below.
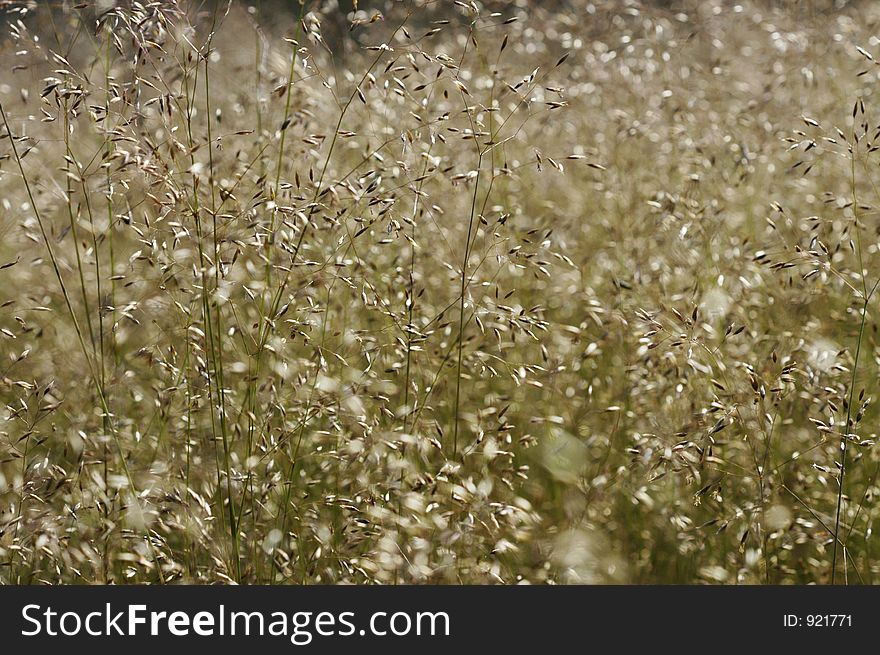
(435, 292)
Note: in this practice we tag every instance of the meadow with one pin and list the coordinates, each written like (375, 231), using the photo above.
(439, 292)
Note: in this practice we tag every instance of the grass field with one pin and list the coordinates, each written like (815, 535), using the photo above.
(452, 293)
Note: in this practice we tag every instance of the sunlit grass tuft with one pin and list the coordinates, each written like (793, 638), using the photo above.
(471, 293)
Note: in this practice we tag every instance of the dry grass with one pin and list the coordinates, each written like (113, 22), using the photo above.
(475, 293)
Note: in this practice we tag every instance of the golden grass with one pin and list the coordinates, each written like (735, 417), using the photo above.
(472, 293)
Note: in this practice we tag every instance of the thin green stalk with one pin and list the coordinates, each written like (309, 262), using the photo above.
(214, 389)
(217, 348)
(852, 386)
